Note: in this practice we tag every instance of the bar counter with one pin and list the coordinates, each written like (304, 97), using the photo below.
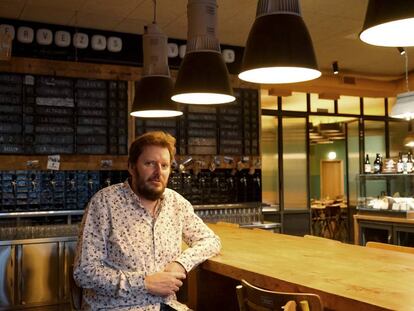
(347, 277)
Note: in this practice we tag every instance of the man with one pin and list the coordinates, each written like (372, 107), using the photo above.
(129, 253)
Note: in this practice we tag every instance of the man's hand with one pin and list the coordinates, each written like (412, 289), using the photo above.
(174, 266)
(164, 283)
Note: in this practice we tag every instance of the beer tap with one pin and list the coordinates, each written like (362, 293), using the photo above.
(182, 166)
(257, 181)
(107, 182)
(90, 183)
(230, 182)
(52, 182)
(14, 185)
(216, 182)
(243, 181)
(72, 183)
(33, 182)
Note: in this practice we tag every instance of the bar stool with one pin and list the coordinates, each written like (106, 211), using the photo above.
(320, 225)
(252, 298)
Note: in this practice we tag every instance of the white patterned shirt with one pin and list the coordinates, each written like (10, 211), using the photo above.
(120, 243)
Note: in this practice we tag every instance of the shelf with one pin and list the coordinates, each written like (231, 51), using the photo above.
(385, 175)
(386, 212)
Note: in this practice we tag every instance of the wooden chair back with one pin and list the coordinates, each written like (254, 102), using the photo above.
(252, 298)
(391, 247)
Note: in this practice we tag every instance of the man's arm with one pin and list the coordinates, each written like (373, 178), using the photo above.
(202, 241)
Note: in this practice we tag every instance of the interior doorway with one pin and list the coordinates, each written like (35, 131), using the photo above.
(332, 179)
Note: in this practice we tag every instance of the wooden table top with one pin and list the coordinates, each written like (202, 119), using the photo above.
(347, 277)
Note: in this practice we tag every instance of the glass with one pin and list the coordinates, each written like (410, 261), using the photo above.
(270, 173)
(398, 130)
(294, 162)
(295, 102)
(374, 106)
(349, 104)
(321, 105)
(353, 161)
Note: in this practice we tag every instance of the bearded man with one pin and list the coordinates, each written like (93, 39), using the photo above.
(129, 254)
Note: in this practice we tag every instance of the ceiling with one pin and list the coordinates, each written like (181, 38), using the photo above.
(333, 24)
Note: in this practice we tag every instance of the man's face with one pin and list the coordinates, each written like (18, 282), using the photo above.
(150, 173)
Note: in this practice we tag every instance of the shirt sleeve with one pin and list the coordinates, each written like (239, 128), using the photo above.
(91, 269)
(202, 241)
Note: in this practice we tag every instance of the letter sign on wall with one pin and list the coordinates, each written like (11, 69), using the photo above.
(98, 42)
(44, 36)
(62, 38)
(114, 44)
(25, 34)
(80, 40)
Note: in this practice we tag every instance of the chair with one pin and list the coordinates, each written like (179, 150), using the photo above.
(252, 298)
(75, 291)
(391, 247)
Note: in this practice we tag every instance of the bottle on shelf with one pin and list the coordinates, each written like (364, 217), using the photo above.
(367, 165)
(409, 163)
(400, 164)
(377, 164)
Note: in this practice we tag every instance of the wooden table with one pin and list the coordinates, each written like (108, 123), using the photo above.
(347, 277)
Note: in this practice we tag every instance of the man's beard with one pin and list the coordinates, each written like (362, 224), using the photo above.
(147, 192)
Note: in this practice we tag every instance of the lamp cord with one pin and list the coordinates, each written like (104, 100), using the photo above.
(406, 70)
(155, 12)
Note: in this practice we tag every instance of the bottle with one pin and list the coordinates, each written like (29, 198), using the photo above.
(400, 164)
(367, 165)
(409, 163)
(377, 164)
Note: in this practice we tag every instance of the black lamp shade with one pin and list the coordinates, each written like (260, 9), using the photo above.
(153, 98)
(389, 23)
(203, 75)
(279, 40)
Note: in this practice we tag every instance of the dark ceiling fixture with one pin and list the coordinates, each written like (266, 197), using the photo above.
(279, 47)
(203, 77)
(389, 23)
(153, 92)
(335, 68)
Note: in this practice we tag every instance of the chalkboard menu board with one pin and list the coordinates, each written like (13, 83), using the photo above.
(56, 115)
(231, 129)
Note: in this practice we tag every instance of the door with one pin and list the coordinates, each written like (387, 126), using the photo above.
(332, 179)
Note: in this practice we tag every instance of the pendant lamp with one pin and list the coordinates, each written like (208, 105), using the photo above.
(389, 23)
(279, 47)
(153, 92)
(203, 76)
(404, 107)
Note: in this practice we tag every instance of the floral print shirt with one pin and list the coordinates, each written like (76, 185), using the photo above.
(120, 243)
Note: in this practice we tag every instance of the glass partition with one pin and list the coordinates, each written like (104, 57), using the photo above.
(398, 131)
(321, 105)
(270, 172)
(349, 104)
(374, 106)
(353, 161)
(295, 102)
(294, 163)
(374, 143)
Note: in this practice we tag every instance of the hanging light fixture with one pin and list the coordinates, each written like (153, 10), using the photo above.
(279, 47)
(404, 107)
(153, 92)
(203, 77)
(389, 23)
(335, 68)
